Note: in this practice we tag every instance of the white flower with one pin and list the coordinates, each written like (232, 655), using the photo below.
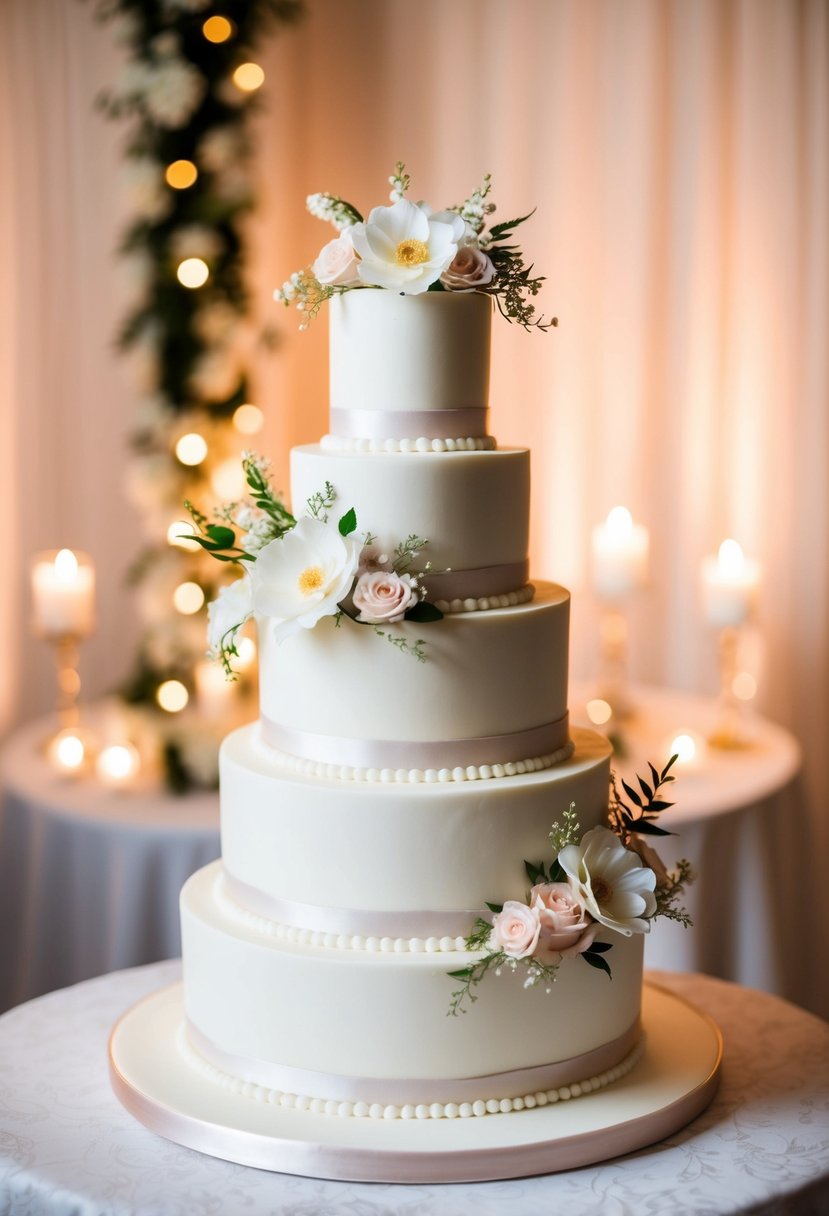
(173, 90)
(227, 614)
(616, 888)
(302, 577)
(145, 188)
(195, 241)
(336, 264)
(469, 270)
(404, 249)
(384, 597)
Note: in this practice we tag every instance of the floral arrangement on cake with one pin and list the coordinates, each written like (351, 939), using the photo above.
(298, 571)
(607, 878)
(409, 248)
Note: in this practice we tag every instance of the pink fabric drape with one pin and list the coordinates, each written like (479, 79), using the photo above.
(678, 155)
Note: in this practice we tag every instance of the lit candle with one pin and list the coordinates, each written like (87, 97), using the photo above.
(729, 586)
(63, 594)
(689, 750)
(620, 555)
(214, 690)
(67, 752)
(118, 765)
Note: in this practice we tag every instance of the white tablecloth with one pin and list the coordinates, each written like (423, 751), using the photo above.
(68, 1149)
(89, 877)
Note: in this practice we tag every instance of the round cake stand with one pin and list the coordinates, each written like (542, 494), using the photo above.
(673, 1082)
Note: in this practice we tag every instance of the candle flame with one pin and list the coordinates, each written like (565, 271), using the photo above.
(66, 565)
(730, 558)
(619, 523)
(684, 747)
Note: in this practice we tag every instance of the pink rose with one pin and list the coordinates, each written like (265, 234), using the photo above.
(336, 265)
(470, 270)
(566, 928)
(382, 597)
(515, 930)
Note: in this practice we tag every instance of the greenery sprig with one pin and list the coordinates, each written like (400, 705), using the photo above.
(642, 821)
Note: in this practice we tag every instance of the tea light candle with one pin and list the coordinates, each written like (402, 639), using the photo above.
(213, 689)
(729, 586)
(118, 765)
(620, 555)
(67, 752)
(63, 594)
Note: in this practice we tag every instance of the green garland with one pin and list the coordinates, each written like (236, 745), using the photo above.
(178, 95)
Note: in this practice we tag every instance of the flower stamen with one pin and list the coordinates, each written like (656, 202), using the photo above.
(310, 580)
(411, 252)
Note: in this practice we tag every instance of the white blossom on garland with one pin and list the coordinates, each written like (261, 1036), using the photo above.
(186, 92)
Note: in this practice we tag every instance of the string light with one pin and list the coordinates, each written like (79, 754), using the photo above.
(181, 174)
(248, 419)
(192, 272)
(172, 696)
(191, 449)
(188, 598)
(248, 77)
(117, 764)
(599, 711)
(68, 751)
(684, 747)
(217, 29)
(178, 535)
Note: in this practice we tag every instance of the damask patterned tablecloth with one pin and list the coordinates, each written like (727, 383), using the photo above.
(67, 1148)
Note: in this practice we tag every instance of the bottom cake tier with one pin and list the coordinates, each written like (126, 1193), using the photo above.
(351, 1027)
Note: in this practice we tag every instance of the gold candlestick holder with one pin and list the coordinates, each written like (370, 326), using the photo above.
(613, 682)
(730, 732)
(66, 649)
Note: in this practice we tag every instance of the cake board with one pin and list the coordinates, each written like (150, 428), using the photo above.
(672, 1083)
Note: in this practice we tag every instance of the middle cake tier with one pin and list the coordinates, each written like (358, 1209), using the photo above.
(396, 861)
(471, 507)
(491, 691)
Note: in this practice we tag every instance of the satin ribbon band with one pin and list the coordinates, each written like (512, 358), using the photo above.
(477, 583)
(400, 1091)
(409, 424)
(350, 921)
(395, 753)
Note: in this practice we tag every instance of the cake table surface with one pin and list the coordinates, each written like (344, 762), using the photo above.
(68, 1147)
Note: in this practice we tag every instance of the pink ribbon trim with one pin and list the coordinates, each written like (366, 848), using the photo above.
(478, 583)
(395, 753)
(400, 1091)
(456, 922)
(468, 423)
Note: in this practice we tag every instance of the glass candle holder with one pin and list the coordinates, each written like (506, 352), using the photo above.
(63, 614)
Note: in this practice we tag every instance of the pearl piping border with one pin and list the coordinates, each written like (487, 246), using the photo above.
(337, 443)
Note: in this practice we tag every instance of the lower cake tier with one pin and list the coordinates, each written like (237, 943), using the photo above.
(491, 689)
(399, 860)
(346, 1027)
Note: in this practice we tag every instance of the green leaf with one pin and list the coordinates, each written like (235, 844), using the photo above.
(533, 872)
(223, 537)
(631, 793)
(461, 975)
(424, 612)
(645, 788)
(654, 776)
(596, 960)
(599, 947)
(436, 286)
(659, 805)
(557, 872)
(348, 523)
(646, 828)
(496, 908)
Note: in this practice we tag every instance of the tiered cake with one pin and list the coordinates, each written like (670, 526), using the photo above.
(379, 803)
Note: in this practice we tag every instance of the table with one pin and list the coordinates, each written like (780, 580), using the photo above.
(741, 821)
(67, 1147)
(89, 877)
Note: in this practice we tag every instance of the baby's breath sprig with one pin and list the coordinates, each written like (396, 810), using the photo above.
(321, 502)
(304, 290)
(407, 551)
(475, 209)
(471, 976)
(416, 650)
(333, 209)
(399, 182)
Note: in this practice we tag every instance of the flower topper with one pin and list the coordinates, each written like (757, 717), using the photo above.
(298, 571)
(409, 248)
(609, 878)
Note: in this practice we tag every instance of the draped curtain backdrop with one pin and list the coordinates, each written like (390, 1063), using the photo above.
(678, 156)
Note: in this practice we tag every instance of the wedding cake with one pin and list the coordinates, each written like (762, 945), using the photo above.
(412, 761)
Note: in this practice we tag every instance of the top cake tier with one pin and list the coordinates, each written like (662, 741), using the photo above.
(409, 373)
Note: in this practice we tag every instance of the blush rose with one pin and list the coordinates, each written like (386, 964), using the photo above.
(566, 929)
(469, 270)
(383, 596)
(336, 264)
(515, 930)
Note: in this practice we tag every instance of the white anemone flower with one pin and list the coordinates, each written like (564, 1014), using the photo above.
(404, 248)
(616, 888)
(227, 614)
(301, 577)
